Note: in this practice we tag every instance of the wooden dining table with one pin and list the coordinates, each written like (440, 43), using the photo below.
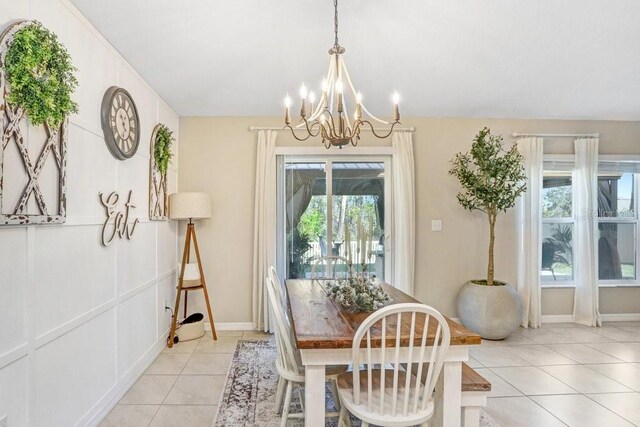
(324, 333)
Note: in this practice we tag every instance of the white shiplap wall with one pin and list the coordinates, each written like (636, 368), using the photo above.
(80, 322)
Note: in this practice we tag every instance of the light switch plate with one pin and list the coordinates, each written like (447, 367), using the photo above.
(4, 421)
(436, 225)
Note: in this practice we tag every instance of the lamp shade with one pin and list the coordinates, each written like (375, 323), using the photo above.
(189, 205)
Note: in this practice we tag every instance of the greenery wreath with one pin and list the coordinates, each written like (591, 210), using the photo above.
(162, 148)
(40, 75)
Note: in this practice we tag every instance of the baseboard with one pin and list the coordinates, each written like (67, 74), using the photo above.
(557, 318)
(107, 403)
(620, 317)
(606, 317)
(231, 326)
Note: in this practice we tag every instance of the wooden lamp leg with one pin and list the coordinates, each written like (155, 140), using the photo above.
(204, 285)
(185, 260)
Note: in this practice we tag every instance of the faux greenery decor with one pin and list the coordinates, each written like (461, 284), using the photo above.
(358, 294)
(491, 180)
(40, 76)
(162, 149)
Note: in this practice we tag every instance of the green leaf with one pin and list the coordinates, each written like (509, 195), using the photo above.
(40, 76)
(162, 149)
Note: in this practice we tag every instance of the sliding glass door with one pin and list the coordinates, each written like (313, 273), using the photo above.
(335, 206)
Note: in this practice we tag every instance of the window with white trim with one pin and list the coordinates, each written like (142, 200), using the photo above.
(618, 222)
(557, 223)
(617, 218)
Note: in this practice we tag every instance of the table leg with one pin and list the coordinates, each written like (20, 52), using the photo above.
(452, 394)
(314, 395)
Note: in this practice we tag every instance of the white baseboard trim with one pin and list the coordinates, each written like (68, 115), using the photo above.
(107, 403)
(620, 317)
(606, 317)
(231, 326)
(557, 318)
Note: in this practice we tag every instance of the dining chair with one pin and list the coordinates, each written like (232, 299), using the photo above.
(395, 397)
(288, 362)
(330, 263)
(280, 290)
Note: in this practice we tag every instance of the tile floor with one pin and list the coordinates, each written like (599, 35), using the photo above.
(559, 375)
(564, 374)
(182, 386)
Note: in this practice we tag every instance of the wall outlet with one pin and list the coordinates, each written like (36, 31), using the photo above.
(436, 225)
(4, 421)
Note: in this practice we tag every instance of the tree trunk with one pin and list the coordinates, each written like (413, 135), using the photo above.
(492, 238)
(341, 218)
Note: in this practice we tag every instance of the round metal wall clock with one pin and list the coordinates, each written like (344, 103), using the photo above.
(120, 123)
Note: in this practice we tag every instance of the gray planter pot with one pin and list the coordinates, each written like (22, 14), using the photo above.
(493, 312)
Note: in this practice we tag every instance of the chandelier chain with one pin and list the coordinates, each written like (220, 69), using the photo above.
(335, 21)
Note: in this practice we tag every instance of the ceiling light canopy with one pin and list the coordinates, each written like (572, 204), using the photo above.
(330, 118)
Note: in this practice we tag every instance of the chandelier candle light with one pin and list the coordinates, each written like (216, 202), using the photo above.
(329, 119)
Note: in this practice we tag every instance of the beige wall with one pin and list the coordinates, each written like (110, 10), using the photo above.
(217, 155)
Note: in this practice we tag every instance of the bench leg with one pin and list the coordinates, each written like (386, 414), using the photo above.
(471, 416)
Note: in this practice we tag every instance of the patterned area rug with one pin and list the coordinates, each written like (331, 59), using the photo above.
(250, 391)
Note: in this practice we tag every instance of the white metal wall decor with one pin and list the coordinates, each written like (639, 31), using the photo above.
(45, 208)
(158, 206)
(117, 221)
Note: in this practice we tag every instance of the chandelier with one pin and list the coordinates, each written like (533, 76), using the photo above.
(329, 118)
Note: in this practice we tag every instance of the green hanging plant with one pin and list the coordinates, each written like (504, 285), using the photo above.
(162, 149)
(40, 75)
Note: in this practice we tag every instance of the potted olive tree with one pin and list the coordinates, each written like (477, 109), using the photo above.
(491, 180)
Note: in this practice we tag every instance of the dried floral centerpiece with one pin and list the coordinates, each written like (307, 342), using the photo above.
(358, 294)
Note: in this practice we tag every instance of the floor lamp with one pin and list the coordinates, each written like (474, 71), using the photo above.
(190, 206)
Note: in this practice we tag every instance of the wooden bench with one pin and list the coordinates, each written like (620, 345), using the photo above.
(475, 389)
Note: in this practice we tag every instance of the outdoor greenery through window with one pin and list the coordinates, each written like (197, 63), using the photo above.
(557, 227)
(617, 217)
(344, 218)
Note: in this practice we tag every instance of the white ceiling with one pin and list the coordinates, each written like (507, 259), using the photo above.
(472, 58)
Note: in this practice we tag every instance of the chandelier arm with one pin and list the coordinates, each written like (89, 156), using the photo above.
(332, 127)
(377, 135)
(310, 128)
(310, 134)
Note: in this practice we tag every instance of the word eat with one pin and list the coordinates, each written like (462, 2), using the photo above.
(117, 221)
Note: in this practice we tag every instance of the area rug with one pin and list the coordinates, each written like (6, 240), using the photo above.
(250, 391)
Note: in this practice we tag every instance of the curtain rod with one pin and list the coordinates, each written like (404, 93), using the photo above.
(558, 135)
(254, 128)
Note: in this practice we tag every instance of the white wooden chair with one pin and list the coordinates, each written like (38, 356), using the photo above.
(395, 397)
(280, 290)
(288, 365)
(330, 263)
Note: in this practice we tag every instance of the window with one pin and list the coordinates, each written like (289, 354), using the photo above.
(334, 207)
(617, 222)
(557, 224)
(617, 217)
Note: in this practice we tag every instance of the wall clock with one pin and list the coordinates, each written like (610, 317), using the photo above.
(120, 123)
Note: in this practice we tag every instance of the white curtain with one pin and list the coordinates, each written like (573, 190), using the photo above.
(404, 221)
(529, 220)
(585, 258)
(264, 225)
